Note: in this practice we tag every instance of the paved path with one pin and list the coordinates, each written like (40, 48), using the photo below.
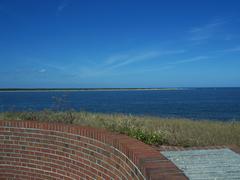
(210, 164)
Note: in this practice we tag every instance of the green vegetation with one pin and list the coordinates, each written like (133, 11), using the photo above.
(151, 130)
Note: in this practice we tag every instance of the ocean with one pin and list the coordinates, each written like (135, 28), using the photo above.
(195, 103)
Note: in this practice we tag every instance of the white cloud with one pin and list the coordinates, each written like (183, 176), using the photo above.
(42, 70)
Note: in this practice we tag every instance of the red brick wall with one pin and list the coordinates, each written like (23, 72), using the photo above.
(33, 150)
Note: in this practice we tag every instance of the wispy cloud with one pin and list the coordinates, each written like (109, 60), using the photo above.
(133, 59)
(229, 37)
(62, 6)
(206, 31)
(235, 49)
(194, 59)
(116, 58)
(40, 66)
(42, 70)
(173, 64)
(207, 27)
(221, 52)
(114, 62)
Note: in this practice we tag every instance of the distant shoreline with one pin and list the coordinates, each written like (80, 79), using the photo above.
(87, 89)
(104, 89)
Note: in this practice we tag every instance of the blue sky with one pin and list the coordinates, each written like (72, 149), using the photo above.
(119, 43)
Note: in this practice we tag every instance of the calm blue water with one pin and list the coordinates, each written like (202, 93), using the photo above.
(204, 103)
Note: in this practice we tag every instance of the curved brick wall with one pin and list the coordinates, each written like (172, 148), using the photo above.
(32, 150)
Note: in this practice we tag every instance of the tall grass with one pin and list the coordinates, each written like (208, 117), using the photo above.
(150, 130)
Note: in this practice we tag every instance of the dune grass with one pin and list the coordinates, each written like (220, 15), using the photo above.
(150, 130)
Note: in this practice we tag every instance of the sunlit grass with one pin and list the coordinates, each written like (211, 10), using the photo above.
(151, 130)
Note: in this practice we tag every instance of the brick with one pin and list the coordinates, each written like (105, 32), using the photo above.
(33, 150)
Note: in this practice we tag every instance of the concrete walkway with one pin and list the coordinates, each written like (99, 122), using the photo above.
(206, 164)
